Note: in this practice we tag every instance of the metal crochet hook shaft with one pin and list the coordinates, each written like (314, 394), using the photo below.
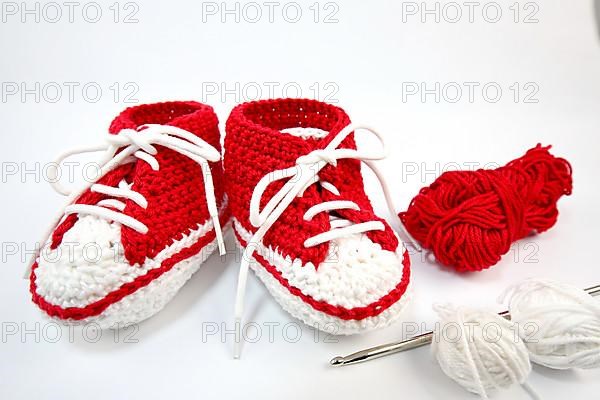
(409, 344)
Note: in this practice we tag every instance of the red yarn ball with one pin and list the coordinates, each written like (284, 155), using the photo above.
(470, 218)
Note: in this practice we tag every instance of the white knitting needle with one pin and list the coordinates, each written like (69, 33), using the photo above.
(408, 344)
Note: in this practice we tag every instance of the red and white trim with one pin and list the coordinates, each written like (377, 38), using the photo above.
(346, 294)
(110, 291)
(152, 215)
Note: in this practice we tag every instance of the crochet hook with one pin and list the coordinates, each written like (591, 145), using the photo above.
(408, 344)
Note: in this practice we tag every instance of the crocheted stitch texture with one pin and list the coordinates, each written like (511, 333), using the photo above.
(177, 217)
(255, 146)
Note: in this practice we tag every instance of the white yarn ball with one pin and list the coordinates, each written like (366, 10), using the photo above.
(479, 349)
(559, 323)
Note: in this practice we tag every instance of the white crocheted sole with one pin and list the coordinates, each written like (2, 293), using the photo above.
(318, 319)
(150, 299)
(135, 307)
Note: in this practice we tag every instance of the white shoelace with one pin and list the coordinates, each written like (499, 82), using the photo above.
(135, 145)
(299, 177)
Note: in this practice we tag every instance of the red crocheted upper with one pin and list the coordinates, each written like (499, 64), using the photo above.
(175, 193)
(255, 146)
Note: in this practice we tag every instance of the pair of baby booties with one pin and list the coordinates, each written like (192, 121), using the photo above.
(288, 181)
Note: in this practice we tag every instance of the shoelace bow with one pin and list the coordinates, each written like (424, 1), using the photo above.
(299, 177)
(135, 145)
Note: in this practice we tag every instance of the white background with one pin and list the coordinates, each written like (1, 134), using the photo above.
(175, 51)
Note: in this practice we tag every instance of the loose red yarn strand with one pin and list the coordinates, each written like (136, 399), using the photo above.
(469, 219)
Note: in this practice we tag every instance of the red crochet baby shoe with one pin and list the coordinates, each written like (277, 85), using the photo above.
(299, 209)
(126, 242)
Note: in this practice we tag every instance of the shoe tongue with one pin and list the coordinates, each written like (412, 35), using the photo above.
(306, 133)
(189, 115)
(317, 139)
(345, 176)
